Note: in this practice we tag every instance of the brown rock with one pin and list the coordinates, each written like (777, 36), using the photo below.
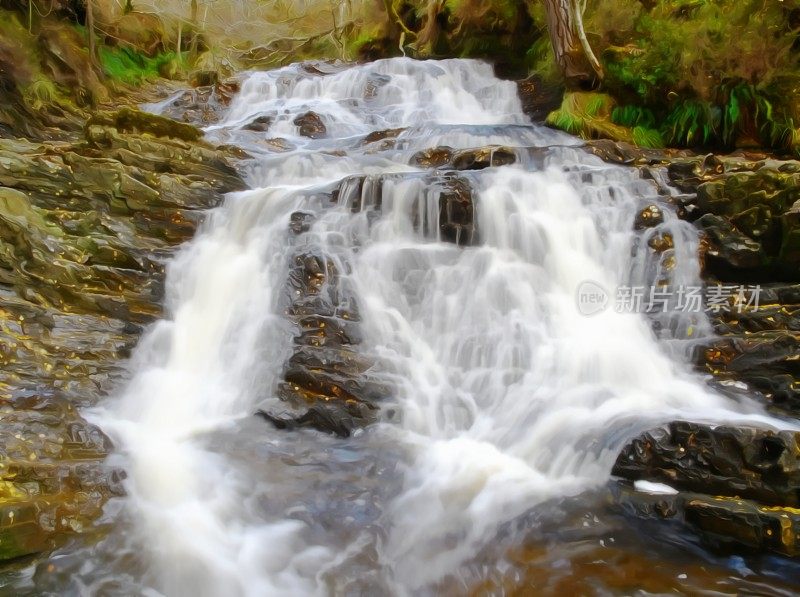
(310, 125)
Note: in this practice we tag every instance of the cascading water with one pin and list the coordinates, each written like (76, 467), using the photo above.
(506, 394)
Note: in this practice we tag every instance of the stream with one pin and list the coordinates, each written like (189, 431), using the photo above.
(501, 408)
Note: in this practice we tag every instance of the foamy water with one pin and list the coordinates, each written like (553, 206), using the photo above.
(507, 395)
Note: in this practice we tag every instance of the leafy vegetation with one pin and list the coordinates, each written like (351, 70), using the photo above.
(717, 73)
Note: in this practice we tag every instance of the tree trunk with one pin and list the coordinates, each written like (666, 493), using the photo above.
(571, 59)
(90, 29)
(193, 21)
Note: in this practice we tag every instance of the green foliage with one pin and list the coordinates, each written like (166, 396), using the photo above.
(595, 105)
(647, 137)
(701, 72)
(566, 121)
(132, 67)
(633, 116)
(588, 115)
(692, 122)
(540, 59)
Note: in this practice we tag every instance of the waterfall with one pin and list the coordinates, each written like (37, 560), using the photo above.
(500, 392)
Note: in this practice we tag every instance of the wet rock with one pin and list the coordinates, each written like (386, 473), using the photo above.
(661, 242)
(129, 120)
(203, 105)
(318, 418)
(728, 248)
(747, 210)
(301, 221)
(433, 158)
(728, 461)
(484, 157)
(259, 124)
(277, 144)
(374, 83)
(310, 125)
(322, 68)
(447, 194)
(723, 523)
(650, 217)
(538, 99)
(382, 135)
(53, 482)
(764, 360)
(734, 486)
(466, 159)
(744, 523)
(625, 154)
(328, 383)
(457, 212)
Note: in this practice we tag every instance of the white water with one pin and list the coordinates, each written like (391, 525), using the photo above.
(507, 395)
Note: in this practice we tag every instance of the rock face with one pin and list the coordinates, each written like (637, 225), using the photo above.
(745, 205)
(328, 383)
(748, 210)
(737, 485)
(84, 229)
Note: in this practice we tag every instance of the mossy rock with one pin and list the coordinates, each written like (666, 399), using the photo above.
(135, 121)
(588, 115)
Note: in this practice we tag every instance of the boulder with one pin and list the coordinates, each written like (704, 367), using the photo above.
(310, 125)
(328, 383)
(456, 211)
(740, 461)
(259, 124)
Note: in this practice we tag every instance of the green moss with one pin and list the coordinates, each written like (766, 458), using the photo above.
(133, 67)
(131, 120)
(41, 92)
